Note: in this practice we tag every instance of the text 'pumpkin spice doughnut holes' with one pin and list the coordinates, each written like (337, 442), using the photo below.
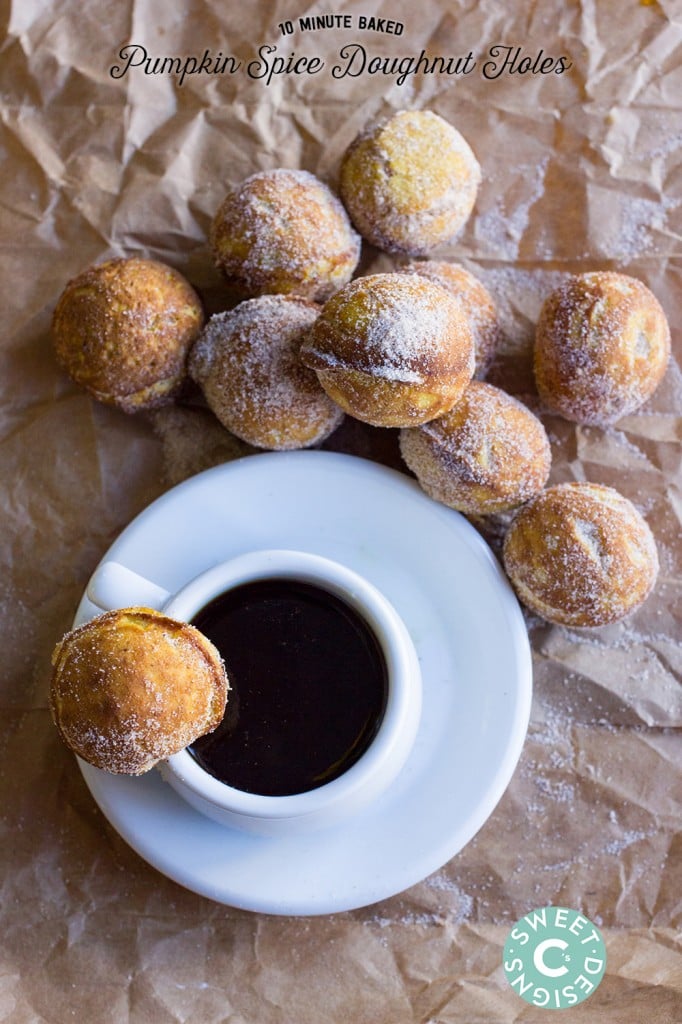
(122, 330)
(391, 349)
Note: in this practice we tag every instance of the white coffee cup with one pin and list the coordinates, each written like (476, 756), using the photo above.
(115, 586)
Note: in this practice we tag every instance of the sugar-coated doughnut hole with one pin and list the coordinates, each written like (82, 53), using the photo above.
(391, 349)
(602, 347)
(122, 330)
(284, 232)
(488, 454)
(409, 182)
(580, 554)
(247, 362)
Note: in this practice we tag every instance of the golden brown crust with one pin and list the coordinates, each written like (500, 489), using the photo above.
(581, 555)
(409, 182)
(487, 455)
(285, 232)
(602, 347)
(476, 301)
(247, 362)
(133, 687)
(391, 349)
(122, 330)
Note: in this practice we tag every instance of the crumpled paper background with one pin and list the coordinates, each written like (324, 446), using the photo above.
(580, 171)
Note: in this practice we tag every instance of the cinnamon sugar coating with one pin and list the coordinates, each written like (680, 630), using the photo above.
(476, 301)
(393, 350)
(122, 330)
(247, 362)
(409, 182)
(580, 554)
(488, 454)
(602, 347)
(132, 687)
(284, 232)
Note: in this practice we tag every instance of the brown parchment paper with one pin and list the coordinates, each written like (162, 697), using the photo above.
(580, 171)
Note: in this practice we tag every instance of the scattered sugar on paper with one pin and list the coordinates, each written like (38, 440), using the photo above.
(634, 230)
(518, 296)
(465, 903)
(502, 229)
(193, 440)
(629, 838)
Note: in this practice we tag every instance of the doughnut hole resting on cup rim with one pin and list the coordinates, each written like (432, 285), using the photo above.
(133, 686)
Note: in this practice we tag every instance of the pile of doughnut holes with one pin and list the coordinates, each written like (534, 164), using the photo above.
(311, 343)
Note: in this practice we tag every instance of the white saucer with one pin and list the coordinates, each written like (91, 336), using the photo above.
(472, 645)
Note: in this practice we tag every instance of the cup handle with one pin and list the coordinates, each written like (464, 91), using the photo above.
(113, 586)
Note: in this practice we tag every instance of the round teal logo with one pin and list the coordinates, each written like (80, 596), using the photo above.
(554, 958)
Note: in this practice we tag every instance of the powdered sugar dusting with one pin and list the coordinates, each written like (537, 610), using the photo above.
(475, 300)
(464, 902)
(284, 231)
(392, 326)
(489, 454)
(602, 347)
(503, 229)
(400, 328)
(410, 182)
(616, 846)
(248, 365)
(634, 227)
(581, 554)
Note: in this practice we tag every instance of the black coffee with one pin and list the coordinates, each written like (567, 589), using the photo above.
(309, 687)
